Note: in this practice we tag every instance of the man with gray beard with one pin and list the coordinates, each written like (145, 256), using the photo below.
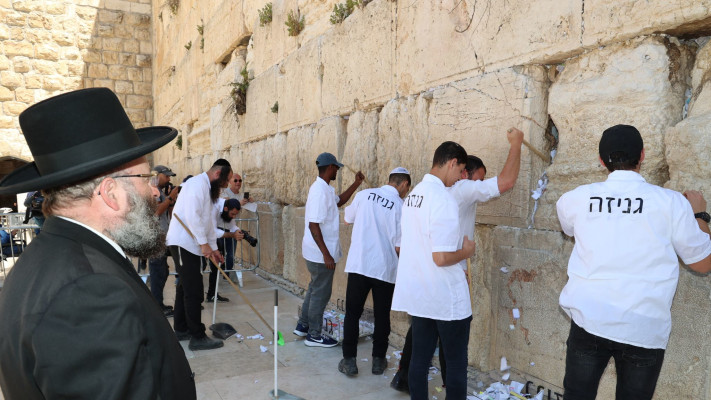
(78, 322)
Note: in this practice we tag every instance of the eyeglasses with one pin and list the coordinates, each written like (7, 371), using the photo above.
(238, 180)
(152, 177)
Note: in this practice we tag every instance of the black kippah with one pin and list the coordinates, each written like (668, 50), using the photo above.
(221, 162)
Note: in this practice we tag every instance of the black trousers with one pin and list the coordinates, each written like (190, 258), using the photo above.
(356, 294)
(406, 356)
(188, 292)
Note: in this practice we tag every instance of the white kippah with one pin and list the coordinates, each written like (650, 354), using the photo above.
(400, 170)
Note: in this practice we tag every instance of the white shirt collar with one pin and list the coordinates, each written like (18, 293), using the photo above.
(433, 179)
(101, 235)
(624, 175)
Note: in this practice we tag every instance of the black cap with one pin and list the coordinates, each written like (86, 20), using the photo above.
(622, 141)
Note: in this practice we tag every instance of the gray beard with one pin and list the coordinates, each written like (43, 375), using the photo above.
(140, 234)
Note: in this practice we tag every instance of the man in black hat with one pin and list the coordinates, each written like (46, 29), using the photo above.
(192, 239)
(623, 271)
(78, 322)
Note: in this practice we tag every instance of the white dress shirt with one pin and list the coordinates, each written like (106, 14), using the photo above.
(623, 271)
(430, 223)
(227, 193)
(375, 215)
(321, 208)
(468, 193)
(195, 208)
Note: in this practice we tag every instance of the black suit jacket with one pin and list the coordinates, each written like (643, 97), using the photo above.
(76, 321)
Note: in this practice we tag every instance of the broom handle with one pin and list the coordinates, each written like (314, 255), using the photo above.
(246, 300)
(364, 178)
(276, 339)
(536, 151)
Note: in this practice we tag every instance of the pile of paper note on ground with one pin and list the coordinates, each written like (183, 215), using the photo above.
(499, 391)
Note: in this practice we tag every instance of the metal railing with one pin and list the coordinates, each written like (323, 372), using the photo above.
(23, 235)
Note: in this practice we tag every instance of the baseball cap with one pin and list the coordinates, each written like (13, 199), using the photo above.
(622, 141)
(400, 170)
(162, 169)
(325, 159)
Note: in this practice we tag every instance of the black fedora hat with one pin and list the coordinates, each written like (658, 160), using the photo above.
(77, 135)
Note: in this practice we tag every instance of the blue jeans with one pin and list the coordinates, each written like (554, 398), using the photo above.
(317, 296)
(158, 270)
(455, 339)
(587, 356)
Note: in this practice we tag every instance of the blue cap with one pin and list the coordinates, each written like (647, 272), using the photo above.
(325, 159)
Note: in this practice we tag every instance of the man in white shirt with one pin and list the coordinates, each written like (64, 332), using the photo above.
(623, 271)
(470, 190)
(225, 213)
(321, 248)
(372, 265)
(430, 285)
(191, 236)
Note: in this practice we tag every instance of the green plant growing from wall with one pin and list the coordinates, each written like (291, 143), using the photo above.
(343, 10)
(201, 29)
(179, 142)
(239, 92)
(294, 24)
(189, 45)
(275, 107)
(265, 14)
(173, 5)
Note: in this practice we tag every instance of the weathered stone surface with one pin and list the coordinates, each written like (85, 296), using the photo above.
(640, 83)
(223, 31)
(298, 78)
(613, 21)
(271, 43)
(261, 96)
(448, 40)
(476, 112)
(360, 150)
(13, 48)
(687, 155)
(701, 83)
(367, 34)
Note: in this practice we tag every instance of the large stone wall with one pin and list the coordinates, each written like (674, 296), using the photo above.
(50, 47)
(383, 89)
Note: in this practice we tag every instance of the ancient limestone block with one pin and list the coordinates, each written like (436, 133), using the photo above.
(14, 107)
(701, 83)
(367, 34)
(317, 15)
(98, 71)
(4, 32)
(4, 63)
(298, 78)
(55, 7)
(271, 43)
(111, 43)
(117, 72)
(121, 5)
(25, 95)
(21, 64)
(360, 150)
(8, 122)
(133, 101)
(476, 112)
(10, 79)
(686, 146)
(52, 83)
(261, 95)
(13, 48)
(250, 9)
(109, 57)
(15, 18)
(47, 52)
(6, 94)
(70, 53)
(402, 137)
(45, 67)
(447, 40)
(111, 16)
(131, 46)
(91, 56)
(143, 60)
(614, 21)
(33, 81)
(87, 13)
(223, 31)
(124, 87)
(127, 59)
(143, 88)
(640, 83)
(27, 6)
(140, 8)
(138, 19)
(39, 35)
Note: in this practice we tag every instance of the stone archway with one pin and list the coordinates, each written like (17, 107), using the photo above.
(7, 165)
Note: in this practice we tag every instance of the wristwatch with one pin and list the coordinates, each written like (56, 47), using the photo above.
(704, 216)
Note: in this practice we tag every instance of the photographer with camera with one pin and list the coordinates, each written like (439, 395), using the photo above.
(227, 231)
(158, 267)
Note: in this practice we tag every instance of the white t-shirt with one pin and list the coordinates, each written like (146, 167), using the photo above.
(430, 223)
(227, 193)
(375, 215)
(623, 271)
(322, 208)
(195, 208)
(468, 193)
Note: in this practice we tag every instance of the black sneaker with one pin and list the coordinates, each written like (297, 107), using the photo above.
(320, 341)
(205, 343)
(220, 299)
(301, 330)
(348, 366)
(167, 312)
(379, 365)
(183, 335)
(399, 382)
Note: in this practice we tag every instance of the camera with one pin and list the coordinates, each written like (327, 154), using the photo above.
(250, 239)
